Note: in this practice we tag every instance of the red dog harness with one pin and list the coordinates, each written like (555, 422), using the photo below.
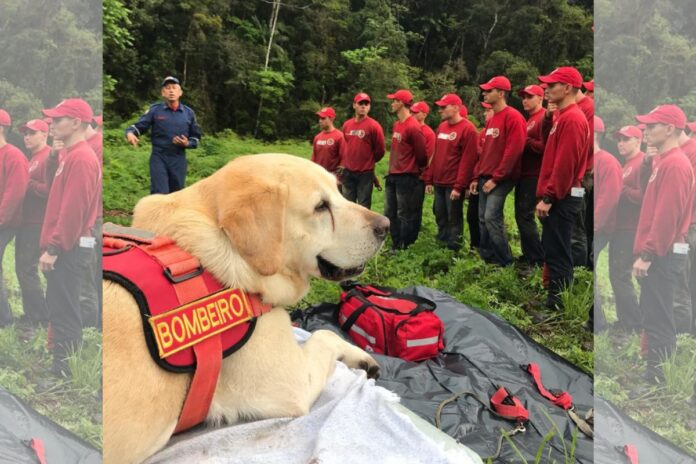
(191, 322)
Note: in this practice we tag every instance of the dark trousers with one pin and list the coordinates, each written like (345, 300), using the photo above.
(403, 205)
(589, 225)
(27, 254)
(494, 247)
(657, 307)
(525, 207)
(449, 216)
(63, 298)
(472, 221)
(91, 290)
(683, 304)
(579, 236)
(621, 261)
(600, 322)
(167, 173)
(557, 230)
(6, 236)
(357, 187)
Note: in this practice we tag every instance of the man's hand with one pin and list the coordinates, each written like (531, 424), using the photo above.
(429, 189)
(57, 146)
(132, 139)
(651, 151)
(489, 186)
(473, 188)
(455, 195)
(542, 209)
(181, 140)
(640, 268)
(47, 262)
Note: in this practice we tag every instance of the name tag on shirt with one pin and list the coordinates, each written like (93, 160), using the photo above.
(577, 192)
(87, 242)
(681, 249)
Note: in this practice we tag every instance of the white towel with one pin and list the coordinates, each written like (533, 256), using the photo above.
(353, 421)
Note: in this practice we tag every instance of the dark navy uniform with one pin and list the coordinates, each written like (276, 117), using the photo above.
(168, 160)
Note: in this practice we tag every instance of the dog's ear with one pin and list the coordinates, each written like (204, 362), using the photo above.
(253, 217)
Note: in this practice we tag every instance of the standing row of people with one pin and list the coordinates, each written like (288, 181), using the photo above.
(50, 203)
(546, 159)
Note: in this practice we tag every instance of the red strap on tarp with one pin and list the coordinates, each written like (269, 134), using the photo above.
(501, 400)
(563, 399)
(37, 445)
(631, 453)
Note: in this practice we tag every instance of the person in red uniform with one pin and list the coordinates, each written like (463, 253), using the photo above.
(364, 147)
(589, 88)
(95, 140)
(451, 169)
(408, 159)
(660, 248)
(583, 232)
(420, 110)
(14, 179)
(608, 182)
(525, 190)
(472, 219)
(27, 250)
(497, 170)
(692, 129)
(683, 299)
(621, 244)
(67, 236)
(559, 187)
(329, 144)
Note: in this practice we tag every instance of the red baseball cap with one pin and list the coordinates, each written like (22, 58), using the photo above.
(664, 114)
(5, 119)
(420, 107)
(531, 90)
(326, 112)
(544, 85)
(589, 86)
(629, 131)
(498, 82)
(641, 126)
(401, 95)
(47, 120)
(565, 75)
(99, 120)
(449, 99)
(692, 126)
(72, 108)
(362, 96)
(598, 125)
(463, 111)
(35, 125)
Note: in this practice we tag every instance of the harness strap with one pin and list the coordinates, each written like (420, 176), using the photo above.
(631, 453)
(508, 406)
(562, 399)
(37, 445)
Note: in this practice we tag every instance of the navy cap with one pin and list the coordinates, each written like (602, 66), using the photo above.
(170, 79)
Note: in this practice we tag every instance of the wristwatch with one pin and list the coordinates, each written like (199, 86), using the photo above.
(647, 257)
(547, 199)
(52, 250)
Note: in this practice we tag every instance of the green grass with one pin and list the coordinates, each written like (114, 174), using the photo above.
(73, 403)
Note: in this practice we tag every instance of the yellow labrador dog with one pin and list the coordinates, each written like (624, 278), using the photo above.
(265, 224)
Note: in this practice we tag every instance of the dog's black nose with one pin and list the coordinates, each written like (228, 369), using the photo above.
(380, 225)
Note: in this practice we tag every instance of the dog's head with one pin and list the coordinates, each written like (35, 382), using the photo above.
(267, 223)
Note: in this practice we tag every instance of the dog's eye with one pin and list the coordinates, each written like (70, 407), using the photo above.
(321, 207)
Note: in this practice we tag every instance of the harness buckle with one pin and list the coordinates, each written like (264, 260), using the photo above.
(178, 279)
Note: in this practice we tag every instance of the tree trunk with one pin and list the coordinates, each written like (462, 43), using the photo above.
(272, 24)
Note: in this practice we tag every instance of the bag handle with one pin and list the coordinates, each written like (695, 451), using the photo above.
(423, 304)
(346, 326)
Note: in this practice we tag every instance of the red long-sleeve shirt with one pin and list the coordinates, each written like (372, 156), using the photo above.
(689, 149)
(74, 199)
(503, 144)
(429, 135)
(608, 182)
(587, 107)
(14, 179)
(664, 217)
(455, 154)
(34, 206)
(96, 143)
(328, 149)
(364, 144)
(408, 153)
(565, 154)
(628, 211)
(533, 146)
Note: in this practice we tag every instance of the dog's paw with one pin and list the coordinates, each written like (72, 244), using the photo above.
(356, 358)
